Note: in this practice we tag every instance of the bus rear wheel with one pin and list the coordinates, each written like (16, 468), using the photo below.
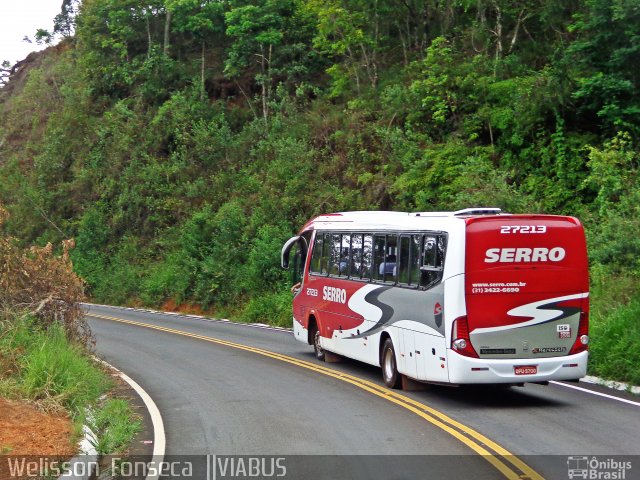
(316, 345)
(390, 375)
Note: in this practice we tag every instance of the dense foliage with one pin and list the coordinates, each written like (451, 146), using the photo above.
(182, 141)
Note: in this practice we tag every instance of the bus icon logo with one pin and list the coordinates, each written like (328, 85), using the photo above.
(578, 467)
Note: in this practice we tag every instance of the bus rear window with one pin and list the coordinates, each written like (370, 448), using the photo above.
(432, 260)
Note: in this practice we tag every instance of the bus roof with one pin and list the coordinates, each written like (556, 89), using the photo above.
(367, 220)
(383, 220)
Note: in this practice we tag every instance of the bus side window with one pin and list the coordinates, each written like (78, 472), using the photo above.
(367, 256)
(298, 266)
(378, 257)
(326, 248)
(430, 252)
(305, 241)
(390, 268)
(345, 254)
(414, 262)
(316, 256)
(432, 260)
(404, 272)
(356, 255)
(334, 255)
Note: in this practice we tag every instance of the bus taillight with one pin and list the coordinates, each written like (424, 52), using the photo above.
(582, 341)
(460, 341)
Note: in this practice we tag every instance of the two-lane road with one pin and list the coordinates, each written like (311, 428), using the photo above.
(224, 388)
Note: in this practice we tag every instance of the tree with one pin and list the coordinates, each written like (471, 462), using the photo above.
(256, 30)
(202, 19)
(5, 73)
(64, 22)
(43, 36)
(271, 40)
(605, 60)
(115, 37)
(344, 34)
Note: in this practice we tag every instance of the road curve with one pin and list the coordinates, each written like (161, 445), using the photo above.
(225, 400)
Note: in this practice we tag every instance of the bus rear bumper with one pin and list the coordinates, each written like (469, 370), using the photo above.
(477, 370)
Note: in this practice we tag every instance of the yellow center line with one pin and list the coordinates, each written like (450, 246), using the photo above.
(433, 416)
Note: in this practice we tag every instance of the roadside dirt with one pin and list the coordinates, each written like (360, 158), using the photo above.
(24, 430)
(171, 306)
(29, 435)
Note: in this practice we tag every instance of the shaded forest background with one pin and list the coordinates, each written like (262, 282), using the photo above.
(181, 142)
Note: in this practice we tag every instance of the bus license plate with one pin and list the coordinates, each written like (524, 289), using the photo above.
(525, 370)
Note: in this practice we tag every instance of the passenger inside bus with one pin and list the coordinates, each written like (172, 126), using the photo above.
(344, 264)
(388, 267)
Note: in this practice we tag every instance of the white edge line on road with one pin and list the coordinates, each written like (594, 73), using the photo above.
(262, 326)
(159, 438)
(620, 386)
(600, 394)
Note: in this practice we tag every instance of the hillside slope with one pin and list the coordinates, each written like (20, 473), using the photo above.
(182, 142)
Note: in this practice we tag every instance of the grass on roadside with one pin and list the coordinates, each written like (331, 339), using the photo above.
(44, 367)
(115, 425)
(271, 308)
(614, 351)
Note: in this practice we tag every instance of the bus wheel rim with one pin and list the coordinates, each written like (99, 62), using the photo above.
(388, 363)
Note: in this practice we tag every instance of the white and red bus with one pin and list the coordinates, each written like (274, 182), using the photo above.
(467, 297)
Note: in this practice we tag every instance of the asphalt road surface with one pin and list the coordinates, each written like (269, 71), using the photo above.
(230, 389)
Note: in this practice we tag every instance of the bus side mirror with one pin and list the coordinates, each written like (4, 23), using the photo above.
(286, 251)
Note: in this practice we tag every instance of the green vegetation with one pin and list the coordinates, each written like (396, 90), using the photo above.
(615, 326)
(616, 352)
(113, 425)
(50, 368)
(181, 142)
(44, 367)
(45, 344)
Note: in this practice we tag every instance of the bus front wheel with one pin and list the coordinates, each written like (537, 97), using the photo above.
(390, 375)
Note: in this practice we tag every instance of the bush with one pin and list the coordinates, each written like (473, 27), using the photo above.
(270, 308)
(114, 427)
(165, 280)
(615, 347)
(118, 281)
(55, 369)
(451, 176)
(210, 250)
(39, 282)
(262, 271)
(48, 368)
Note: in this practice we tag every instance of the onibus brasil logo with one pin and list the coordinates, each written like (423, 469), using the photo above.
(597, 469)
